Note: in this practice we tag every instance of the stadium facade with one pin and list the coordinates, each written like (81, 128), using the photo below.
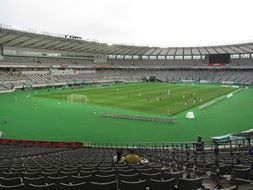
(29, 58)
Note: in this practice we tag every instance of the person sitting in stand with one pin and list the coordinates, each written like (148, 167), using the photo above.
(118, 159)
(132, 158)
(199, 145)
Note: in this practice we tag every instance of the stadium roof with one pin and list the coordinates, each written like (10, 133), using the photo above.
(29, 39)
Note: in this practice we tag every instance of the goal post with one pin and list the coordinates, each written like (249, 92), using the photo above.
(78, 98)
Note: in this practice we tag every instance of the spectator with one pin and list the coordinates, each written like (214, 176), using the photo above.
(199, 145)
(119, 158)
(132, 158)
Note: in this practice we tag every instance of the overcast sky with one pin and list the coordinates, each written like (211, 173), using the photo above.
(141, 22)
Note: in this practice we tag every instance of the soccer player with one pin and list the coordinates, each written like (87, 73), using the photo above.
(5, 120)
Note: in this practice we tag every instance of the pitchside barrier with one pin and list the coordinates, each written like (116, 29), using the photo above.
(216, 100)
(177, 146)
(138, 117)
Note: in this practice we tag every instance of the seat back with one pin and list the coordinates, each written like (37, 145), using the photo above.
(162, 184)
(133, 177)
(77, 186)
(41, 187)
(52, 174)
(68, 173)
(10, 175)
(30, 174)
(103, 186)
(106, 172)
(35, 181)
(81, 179)
(13, 187)
(241, 173)
(57, 180)
(104, 178)
(127, 172)
(138, 185)
(148, 176)
(190, 184)
(10, 181)
(175, 175)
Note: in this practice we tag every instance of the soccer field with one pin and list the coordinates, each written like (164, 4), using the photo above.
(156, 98)
(50, 116)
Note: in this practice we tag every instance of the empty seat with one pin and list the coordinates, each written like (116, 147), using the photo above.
(127, 172)
(57, 180)
(10, 174)
(145, 170)
(103, 186)
(105, 172)
(17, 170)
(190, 184)
(81, 179)
(30, 170)
(133, 177)
(229, 188)
(30, 174)
(68, 173)
(138, 185)
(51, 174)
(13, 187)
(241, 176)
(161, 184)
(104, 178)
(10, 181)
(85, 173)
(77, 186)
(175, 175)
(148, 176)
(35, 181)
(41, 187)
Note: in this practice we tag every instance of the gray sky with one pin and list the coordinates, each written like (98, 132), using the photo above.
(140, 22)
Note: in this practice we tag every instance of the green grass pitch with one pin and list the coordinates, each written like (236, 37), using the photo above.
(49, 116)
(158, 98)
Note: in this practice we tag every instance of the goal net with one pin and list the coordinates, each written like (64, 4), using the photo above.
(78, 98)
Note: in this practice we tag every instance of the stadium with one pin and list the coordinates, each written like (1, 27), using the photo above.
(68, 105)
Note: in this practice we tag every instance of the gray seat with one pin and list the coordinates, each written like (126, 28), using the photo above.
(137, 185)
(35, 181)
(104, 178)
(77, 186)
(10, 181)
(230, 188)
(10, 175)
(30, 174)
(57, 180)
(42, 187)
(81, 179)
(148, 176)
(190, 184)
(13, 187)
(133, 177)
(240, 176)
(103, 186)
(161, 184)
(175, 175)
